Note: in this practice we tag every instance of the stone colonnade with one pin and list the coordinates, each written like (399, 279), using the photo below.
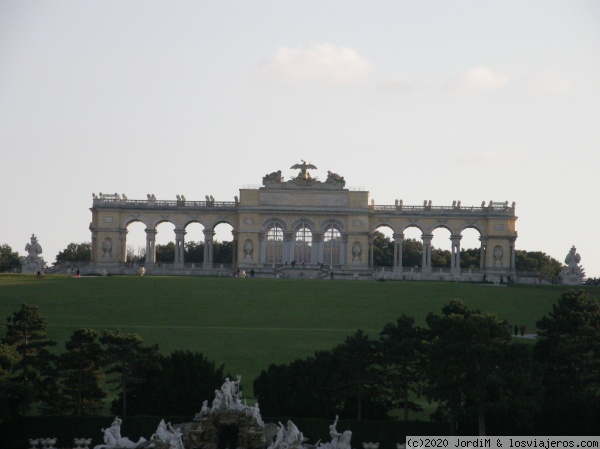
(426, 266)
(179, 247)
(267, 221)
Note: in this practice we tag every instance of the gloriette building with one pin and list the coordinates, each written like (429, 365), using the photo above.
(303, 227)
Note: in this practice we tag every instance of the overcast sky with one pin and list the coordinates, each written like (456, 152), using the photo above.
(413, 100)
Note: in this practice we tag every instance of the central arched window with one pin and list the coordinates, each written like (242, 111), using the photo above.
(274, 253)
(303, 245)
(332, 240)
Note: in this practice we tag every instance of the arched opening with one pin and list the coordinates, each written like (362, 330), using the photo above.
(383, 247)
(303, 240)
(441, 248)
(136, 242)
(223, 244)
(332, 245)
(165, 242)
(194, 243)
(412, 248)
(470, 249)
(274, 244)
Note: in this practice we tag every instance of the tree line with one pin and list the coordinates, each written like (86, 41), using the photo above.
(10, 261)
(466, 362)
(412, 250)
(34, 379)
(193, 253)
(383, 254)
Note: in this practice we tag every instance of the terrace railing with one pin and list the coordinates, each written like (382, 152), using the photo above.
(112, 201)
(493, 208)
(121, 201)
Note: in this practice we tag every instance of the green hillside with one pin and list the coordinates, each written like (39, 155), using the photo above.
(248, 324)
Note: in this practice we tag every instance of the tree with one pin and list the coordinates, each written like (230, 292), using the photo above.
(127, 359)
(26, 331)
(538, 262)
(222, 252)
(165, 253)
(440, 258)
(470, 258)
(383, 250)
(81, 374)
(355, 382)
(303, 388)
(517, 401)
(412, 253)
(401, 359)
(194, 252)
(570, 341)
(569, 351)
(340, 381)
(464, 354)
(9, 389)
(9, 259)
(174, 385)
(75, 252)
(136, 255)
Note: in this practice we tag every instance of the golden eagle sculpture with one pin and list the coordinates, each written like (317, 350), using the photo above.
(303, 169)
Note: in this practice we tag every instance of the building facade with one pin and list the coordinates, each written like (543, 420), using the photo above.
(304, 227)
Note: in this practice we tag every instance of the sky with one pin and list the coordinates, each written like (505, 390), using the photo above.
(413, 100)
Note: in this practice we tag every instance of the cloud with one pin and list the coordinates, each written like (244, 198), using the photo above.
(479, 79)
(492, 158)
(318, 63)
(550, 84)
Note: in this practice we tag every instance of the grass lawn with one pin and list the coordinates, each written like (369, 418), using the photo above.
(247, 324)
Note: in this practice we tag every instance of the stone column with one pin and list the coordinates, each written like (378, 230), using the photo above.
(179, 247)
(455, 259)
(426, 264)
(150, 248)
(398, 240)
(371, 251)
(208, 249)
(482, 248)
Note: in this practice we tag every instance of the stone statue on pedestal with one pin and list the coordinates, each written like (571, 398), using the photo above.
(272, 178)
(34, 248)
(335, 179)
(231, 391)
(33, 263)
(572, 274)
